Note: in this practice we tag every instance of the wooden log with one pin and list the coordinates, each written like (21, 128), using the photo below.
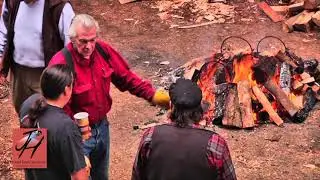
(295, 8)
(275, 17)
(232, 115)
(297, 100)
(220, 92)
(126, 1)
(245, 104)
(295, 62)
(316, 18)
(280, 9)
(302, 23)
(305, 75)
(267, 106)
(281, 97)
(297, 85)
(227, 105)
(311, 4)
(283, 58)
(308, 80)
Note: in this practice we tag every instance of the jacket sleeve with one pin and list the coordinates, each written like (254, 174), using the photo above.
(219, 158)
(3, 28)
(65, 21)
(126, 80)
(139, 165)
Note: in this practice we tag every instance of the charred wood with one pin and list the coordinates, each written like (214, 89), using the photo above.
(221, 92)
(267, 106)
(232, 115)
(226, 106)
(285, 77)
(281, 97)
(263, 116)
(309, 102)
(292, 60)
(256, 106)
(245, 104)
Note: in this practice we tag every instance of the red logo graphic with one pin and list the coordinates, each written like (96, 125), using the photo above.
(29, 148)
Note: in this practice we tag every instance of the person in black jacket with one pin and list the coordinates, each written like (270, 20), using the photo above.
(182, 150)
(65, 158)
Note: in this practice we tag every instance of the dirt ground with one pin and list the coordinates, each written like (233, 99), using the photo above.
(267, 152)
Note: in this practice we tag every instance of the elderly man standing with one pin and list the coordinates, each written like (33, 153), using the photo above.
(96, 65)
(181, 150)
(31, 32)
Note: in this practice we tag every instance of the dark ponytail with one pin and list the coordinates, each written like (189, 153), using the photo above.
(31, 110)
(53, 81)
(37, 109)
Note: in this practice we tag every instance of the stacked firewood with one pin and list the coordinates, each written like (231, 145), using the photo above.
(299, 15)
(276, 88)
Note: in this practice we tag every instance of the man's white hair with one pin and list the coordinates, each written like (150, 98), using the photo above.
(83, 20)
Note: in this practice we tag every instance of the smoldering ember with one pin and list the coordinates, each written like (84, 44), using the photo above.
(251, 88)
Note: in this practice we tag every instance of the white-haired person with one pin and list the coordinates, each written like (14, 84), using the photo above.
(96, 65)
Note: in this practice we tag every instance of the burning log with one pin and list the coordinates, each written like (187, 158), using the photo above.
(297, 85)
(284, 58)
(267, 106)
(245, 104)
(261, 75)
(226, 106)
(281, 97)
(263, 116)
(297, 100)
(308, 80)
(285, 77)
(305, 75)
(309, 102)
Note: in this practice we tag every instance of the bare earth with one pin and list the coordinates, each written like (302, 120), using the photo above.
(268, 152)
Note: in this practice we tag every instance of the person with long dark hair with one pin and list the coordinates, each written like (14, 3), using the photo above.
(181, 150)
(65, 158)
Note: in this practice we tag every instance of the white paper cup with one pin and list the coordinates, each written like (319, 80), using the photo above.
(83, 124)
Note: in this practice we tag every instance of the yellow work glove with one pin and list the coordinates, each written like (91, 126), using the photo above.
(161, 98)
(88, 167)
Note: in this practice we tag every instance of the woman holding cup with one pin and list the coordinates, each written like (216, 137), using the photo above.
(65, 158)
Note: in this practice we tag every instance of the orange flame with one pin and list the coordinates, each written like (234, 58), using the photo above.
(242, 69)
(206, 84)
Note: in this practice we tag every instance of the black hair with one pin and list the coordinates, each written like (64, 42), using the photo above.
(53, 81)
(183, 117)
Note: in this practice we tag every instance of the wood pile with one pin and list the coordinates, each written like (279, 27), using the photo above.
(246, 90)
(297, 15)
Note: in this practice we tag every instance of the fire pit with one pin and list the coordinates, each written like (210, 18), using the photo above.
(248, 89)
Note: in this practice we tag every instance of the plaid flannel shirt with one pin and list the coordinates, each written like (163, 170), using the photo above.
(217, 154)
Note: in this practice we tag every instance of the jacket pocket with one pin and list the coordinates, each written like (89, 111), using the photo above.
(83, 95)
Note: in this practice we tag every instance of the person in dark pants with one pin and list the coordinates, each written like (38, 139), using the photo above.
(65, 158)
(31, 32)
(182, 150)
